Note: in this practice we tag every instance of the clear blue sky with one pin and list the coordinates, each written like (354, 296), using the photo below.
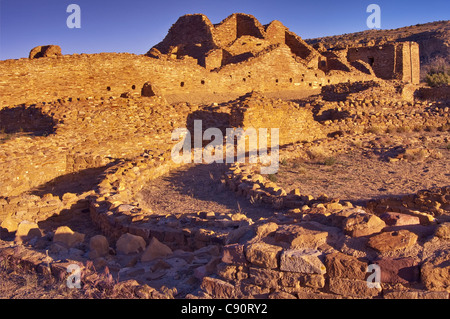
(136, 25)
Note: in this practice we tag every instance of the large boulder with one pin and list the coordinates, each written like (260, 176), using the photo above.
(68, 237)
(99, 246)
(155, 250)
(27, 230)
(130, 244)
(45, 51)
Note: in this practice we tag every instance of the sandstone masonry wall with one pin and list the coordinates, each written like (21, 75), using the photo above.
(392, 61)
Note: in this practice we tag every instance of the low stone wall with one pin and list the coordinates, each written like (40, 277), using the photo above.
(116, 211)
(324, 250)
(85, 134)
(437, 93)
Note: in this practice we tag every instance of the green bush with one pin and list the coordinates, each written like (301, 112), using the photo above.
(437, 79)
(437, 72)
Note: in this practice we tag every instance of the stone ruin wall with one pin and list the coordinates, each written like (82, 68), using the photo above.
(112, 74)
(398, 61)
(194, 58)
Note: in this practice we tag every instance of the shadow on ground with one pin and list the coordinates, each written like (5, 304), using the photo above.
(29, 120)
(197, 187)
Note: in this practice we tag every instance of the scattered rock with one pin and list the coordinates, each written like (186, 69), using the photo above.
(265, 229)
(352, 288)
(155, 250)
(99, 246)
(300, 236)
(26, 231)
(398, 219)
(281, 295)
(10, 224)
(443, 231)
(362, 224)
(234, 254)
(267, 278)
(45, 51)
(68, 237)
(240, 235)
(129, 244)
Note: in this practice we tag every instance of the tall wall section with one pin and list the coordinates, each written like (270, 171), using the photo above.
(105, 74)
(399, 61)
(411, 62)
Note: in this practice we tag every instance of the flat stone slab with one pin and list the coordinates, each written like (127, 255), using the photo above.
(392, 241)
(303, 261)
(300, 236)
(398, 219)
(400, 270)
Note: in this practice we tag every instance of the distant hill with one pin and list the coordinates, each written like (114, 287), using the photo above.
(433, 39)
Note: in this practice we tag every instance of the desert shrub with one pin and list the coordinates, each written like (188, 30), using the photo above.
(416, 154)
(437, 73)
(403, 129)
(317, 153)
(437, 79)
(329, 161)
(376, 130)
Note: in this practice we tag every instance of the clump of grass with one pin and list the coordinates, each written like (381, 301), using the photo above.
(317, 153)
(376, 130)
(403, 129)
(283, 162)
(357, 143)
(448, 146)
(416, 155)
(391, 129)
(329, 161)
(273, 178)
